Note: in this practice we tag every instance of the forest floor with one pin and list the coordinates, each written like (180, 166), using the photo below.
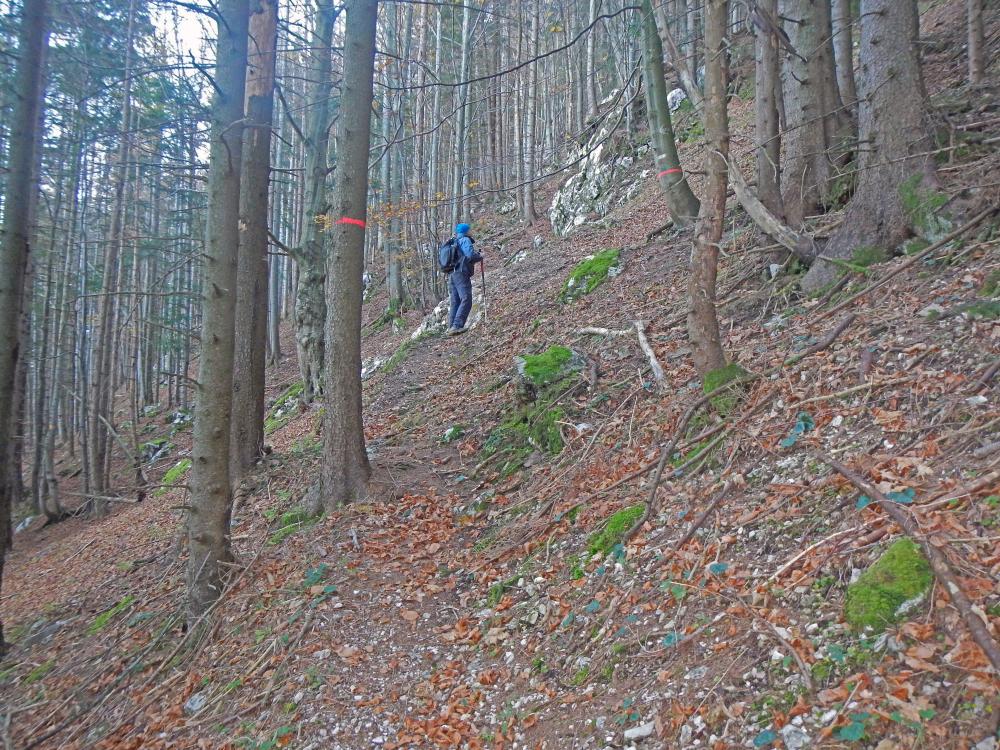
(490, 599)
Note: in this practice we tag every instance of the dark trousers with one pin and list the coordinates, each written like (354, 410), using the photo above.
(460, 291)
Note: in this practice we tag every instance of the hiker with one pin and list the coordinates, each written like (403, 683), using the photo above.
(460, 266)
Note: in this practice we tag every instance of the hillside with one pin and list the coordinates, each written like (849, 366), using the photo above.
(522, 574)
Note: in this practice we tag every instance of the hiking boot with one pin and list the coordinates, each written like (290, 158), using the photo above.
(456, 331)
(452, 331)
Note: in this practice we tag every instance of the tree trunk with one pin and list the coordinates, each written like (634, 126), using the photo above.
(681, 201)
(843, 50)
(211, 490)
(530, 115)
(250, 350)
(766, 110)
(102, 368)
(460, 166)
(702, 321)
(815, 140)
(590, 81)
(15, 244)
(310, 305)
(892, 118)
(976, 42)
(345, 464)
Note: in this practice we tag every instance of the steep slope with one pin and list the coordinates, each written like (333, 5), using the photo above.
(497, 591)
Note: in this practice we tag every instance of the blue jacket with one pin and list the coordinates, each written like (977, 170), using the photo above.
(470, 257)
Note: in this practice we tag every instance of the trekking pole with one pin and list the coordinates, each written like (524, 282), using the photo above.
(482, 273)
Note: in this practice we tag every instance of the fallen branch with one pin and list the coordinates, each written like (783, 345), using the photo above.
(971, 224)
(939, 563)
(654, 363)
(854, 389)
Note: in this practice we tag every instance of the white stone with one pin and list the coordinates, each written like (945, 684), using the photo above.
(795, 738)
(640, 732)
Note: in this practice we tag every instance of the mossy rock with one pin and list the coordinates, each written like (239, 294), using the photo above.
(174, 475)
(538, 374)
(901, 576)
(590, 273)
(283, 409)
(726, 401)
(614, 530)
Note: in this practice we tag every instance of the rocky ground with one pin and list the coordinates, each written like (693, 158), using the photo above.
(521, 577)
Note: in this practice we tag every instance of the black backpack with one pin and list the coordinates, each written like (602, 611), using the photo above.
(450, 255)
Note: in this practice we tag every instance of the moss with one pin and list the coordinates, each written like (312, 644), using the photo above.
(39, 672)
(289, 523)
(986, 310)
(545, 368)
(902, 574)
(174, 475)
(869, 255)
(724, 402)
(398, 356)
(991, 286)
(614, 530)
(532, 428)
(282, 411)
(922, 208)
(105, 617)
(580, 677)
(589, 274)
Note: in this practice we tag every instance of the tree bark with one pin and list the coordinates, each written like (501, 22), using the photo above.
(345, 460)
(15, 247)
(211, 489)
(250, 349)
(892, 117)
(976, 42)
(310, 304)
(766, 109)
(702, 322)
(816, 136)
(843, 50)
(102, 369)
(528, 212)
(681, 201)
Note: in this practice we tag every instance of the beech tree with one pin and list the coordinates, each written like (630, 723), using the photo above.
(892, 119)
(345, 459)
(211, 489)
(681, 201)
(15, 247)
(310, 304)
(702, 319)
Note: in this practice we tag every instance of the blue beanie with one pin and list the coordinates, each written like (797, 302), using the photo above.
(462, 229)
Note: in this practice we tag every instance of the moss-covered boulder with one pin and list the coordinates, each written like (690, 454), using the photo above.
(538, 373)
(590, 273)
(889, 589)
(535, 426)
(725, 401)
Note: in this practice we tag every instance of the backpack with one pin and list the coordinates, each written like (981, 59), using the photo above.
(449, 255)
